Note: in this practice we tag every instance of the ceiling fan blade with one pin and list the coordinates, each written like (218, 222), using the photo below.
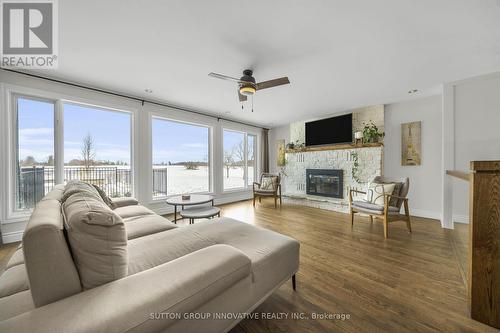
(242, 98)
(272, 83)
(224, 77)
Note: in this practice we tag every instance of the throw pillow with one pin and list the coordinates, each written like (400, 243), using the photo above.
(97, 238)
(107, 200)
(77, 186)
(268, 183)
(375, 192)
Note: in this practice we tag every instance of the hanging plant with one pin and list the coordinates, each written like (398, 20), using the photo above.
(355, 165)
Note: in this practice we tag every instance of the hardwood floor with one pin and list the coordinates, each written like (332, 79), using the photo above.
(406, 283)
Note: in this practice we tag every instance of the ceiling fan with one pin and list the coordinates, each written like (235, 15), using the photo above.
(247, 85)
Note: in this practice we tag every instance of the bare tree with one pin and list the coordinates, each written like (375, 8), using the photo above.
(228, 161)
(239, 153)
(88, 150)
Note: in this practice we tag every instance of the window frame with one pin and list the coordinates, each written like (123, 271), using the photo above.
(13, 158)
(256, 152)
(11, 92)
(166, 117)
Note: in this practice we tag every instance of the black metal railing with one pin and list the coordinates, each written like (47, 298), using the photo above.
(34, 182)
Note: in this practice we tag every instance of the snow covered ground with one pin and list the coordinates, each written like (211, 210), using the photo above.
(181, 180)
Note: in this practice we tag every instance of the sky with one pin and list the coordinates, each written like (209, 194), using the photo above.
(172, 141)
(179, 142)
(110, 130)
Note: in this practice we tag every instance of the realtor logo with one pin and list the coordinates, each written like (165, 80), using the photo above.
(29, 34)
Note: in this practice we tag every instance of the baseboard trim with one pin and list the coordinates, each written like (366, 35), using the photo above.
(457, 218)
(425, 214)
(12, 237)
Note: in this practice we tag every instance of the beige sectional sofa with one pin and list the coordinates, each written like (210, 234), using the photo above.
(84, 267)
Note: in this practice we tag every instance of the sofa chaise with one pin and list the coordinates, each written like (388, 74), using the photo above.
(91, 264)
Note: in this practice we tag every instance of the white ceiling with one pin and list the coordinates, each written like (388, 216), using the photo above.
(338, 54)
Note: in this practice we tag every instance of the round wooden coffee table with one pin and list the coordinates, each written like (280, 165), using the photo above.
(195, 199)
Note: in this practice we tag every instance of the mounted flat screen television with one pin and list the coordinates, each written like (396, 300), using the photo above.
(329, 131)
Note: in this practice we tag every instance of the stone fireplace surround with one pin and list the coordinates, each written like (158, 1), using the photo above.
(294, 178)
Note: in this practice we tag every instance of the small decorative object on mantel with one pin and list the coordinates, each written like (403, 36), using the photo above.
(371, 133)
(358, 138)
(411, 150)
(186, 197)
(296, 145)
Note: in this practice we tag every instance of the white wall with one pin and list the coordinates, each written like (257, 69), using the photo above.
(425, 180)
(13, 224)
(477, 130)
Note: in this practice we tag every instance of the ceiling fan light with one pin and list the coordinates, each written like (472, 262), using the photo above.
(247, 91)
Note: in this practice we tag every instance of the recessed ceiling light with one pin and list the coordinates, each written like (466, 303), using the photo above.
(413, 91)
(227, 112)
(149, 91)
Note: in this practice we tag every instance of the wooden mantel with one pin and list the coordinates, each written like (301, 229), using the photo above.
(484, 240)
(335, 147)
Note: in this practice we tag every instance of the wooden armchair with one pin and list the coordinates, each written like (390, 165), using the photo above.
(390, 210)
(269, 186)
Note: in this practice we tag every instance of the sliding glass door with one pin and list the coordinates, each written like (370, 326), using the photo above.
(238, 159)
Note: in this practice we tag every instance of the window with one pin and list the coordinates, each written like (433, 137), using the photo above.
(180, 158)
(251, 144)
(34, 150)
(239, 159)
(97, 148)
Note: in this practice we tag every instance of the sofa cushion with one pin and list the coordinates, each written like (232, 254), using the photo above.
(107, 200)
(274, 256)
(56, 193)
(124, 201)
(138, 226)
(134, 210)
(46, 251)
(16, 259)
(77, 186)
(15, 304)
(97, 238)
(13, 280)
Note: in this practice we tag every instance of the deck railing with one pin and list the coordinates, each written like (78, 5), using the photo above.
(34, 182)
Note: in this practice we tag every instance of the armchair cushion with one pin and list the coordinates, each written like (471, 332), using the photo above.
(371, 208)
(264, 192)
(397, 190)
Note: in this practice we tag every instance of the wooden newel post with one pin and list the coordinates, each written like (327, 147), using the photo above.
(484, 247)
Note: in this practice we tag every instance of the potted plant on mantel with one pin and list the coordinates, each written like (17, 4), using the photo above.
(297, 145)
(371, 133)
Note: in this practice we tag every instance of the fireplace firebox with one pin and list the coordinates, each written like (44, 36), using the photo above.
(325, 182)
